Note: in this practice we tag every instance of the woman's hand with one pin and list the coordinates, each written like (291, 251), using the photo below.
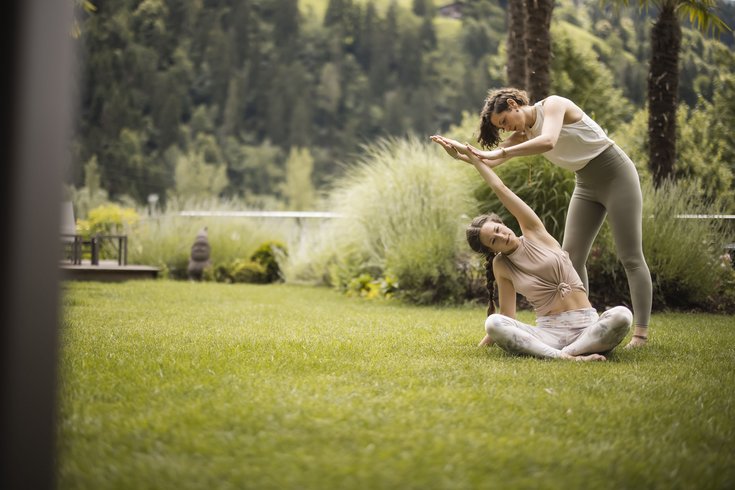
(454, 149)
(491, 158)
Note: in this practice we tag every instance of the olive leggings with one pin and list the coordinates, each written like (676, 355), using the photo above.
(609, 185)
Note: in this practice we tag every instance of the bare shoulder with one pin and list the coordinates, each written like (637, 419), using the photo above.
(562, 105)
(499, 265)
(558, 102)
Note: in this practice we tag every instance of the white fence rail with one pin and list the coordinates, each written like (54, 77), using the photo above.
(263, 214)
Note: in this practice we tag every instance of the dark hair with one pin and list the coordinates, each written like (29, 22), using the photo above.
(495, 103)
(473, 239)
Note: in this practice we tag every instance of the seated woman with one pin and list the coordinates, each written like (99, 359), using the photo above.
(535, 266)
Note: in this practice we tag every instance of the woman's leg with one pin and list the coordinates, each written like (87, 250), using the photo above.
(625, 212)
(518, 338)
(584, 219)
(603, 335)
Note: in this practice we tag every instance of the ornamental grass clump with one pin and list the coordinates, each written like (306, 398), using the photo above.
(403, 208)
(683, 253)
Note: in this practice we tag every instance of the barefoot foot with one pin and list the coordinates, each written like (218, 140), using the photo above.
(637, 341)
(587, 358)
(486, 341)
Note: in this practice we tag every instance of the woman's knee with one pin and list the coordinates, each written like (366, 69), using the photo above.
(495, 323)
(633, 261)
(619, 316)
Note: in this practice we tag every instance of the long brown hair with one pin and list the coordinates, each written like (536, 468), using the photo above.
(495, 103)
(473, 239)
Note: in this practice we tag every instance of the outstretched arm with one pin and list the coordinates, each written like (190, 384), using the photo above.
(527, 218)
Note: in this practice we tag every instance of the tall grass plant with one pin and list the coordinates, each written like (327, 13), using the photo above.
(403, 206)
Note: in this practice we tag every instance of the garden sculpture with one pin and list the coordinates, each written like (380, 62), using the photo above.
(199, 259)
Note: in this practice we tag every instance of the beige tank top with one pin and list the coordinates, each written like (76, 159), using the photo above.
(541, 274)
(578, 142)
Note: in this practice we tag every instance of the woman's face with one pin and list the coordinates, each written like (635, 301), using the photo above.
(511, 119)
(498, 237)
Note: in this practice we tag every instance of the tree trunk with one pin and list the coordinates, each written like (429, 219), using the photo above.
(516, 49)
(663, 85)
(538, 44)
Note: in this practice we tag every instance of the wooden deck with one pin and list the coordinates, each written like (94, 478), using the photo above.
(106, 271)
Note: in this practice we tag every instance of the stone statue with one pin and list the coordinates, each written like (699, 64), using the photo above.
(199, 258)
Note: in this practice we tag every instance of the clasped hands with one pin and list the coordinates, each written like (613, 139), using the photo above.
(468, 153)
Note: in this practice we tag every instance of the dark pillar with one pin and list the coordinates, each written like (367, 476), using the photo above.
(36, 111)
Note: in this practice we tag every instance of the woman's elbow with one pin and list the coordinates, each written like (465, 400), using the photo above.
(548, 144)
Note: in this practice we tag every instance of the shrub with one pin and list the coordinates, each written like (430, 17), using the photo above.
(248, 271)
(268, 255)
(403, 205)
(108, 219)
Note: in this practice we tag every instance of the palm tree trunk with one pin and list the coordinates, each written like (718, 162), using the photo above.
(538, 44)
(663, 85)
(516, 50)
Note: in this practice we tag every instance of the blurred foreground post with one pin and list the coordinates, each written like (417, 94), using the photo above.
(36, 113)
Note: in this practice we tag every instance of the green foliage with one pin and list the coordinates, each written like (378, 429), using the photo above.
(702, 152)
(268, 255)
(198, 179)
(108, 219)
(323, 76)
(91, 195)
(365, 286)
(579, 76)
(402, 209)
(242, 271)
(699, 154)
(298, 189)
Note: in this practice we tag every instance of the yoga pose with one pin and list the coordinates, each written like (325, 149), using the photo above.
(535, 266)
(606, 181)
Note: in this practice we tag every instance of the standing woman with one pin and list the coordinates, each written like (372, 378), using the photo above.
(606, 181)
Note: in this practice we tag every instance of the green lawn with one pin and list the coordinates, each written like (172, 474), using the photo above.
(176, 385)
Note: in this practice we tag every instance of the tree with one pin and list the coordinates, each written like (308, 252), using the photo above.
(663, 75)
(516, 45)
(538, 46)
(298, 189)
(197, 179)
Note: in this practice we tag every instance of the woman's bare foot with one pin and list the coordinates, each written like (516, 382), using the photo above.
(640, 338)
(486, 341)
(587, 358)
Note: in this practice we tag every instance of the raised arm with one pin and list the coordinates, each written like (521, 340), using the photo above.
(527, 218)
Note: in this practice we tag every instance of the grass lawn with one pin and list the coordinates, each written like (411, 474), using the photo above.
(177, 385)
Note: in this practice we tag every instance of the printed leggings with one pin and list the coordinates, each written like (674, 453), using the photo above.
(609, 185)
(575, 332)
